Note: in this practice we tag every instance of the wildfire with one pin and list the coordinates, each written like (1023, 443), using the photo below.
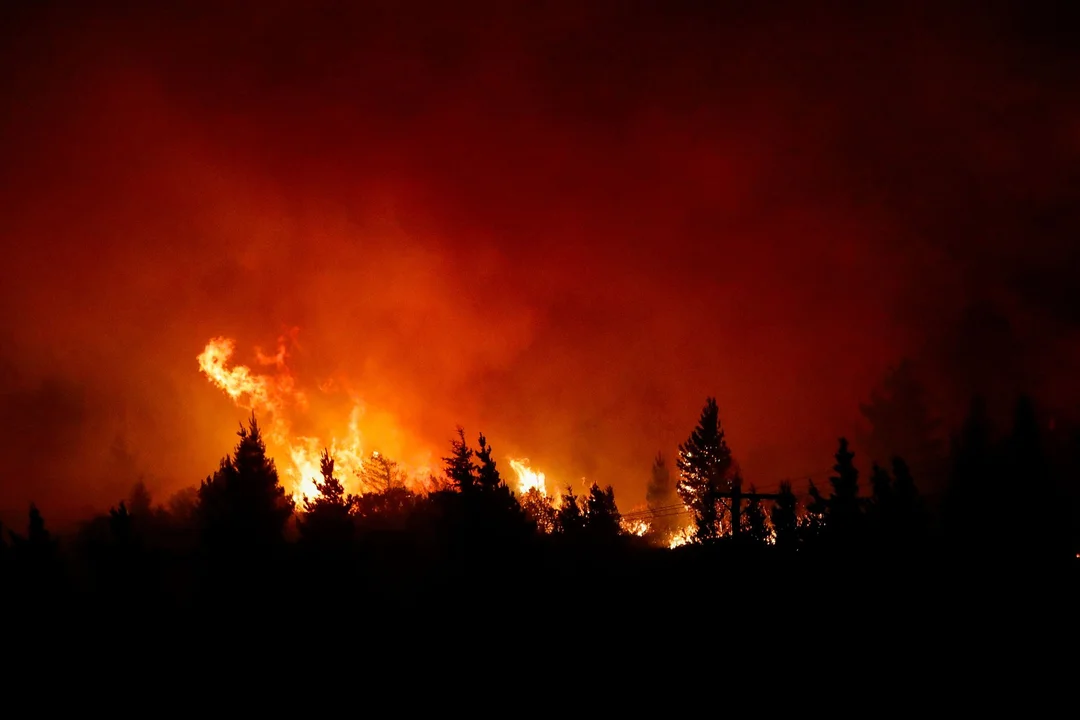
(528, 479)
(681, 537)
(275, 398)
(634, 527)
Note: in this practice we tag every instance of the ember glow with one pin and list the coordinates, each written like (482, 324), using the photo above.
(275, 398)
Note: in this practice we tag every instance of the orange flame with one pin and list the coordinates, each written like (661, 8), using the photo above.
(528, 479)
(274, 397)
(681, 537)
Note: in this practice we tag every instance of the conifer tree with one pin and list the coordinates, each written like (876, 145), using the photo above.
(37, 551)
(327, 515)
(843, 507)
(459, 465)
(37, 534)
(705, 464)
(488, 478)
(569, 519)
(601, 513)
(243, 503)
(331, 492)
(539, 510)
(380, 474)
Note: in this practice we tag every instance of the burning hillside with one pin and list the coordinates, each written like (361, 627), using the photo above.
(274, 394)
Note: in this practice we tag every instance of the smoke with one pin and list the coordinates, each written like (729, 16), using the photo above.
(564, 227)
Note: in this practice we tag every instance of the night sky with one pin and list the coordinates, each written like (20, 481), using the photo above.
(564, 225)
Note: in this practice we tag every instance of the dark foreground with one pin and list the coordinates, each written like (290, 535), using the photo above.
(543, 598)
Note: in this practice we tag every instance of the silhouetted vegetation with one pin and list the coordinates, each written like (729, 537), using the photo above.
(705, 467)
(473, 536)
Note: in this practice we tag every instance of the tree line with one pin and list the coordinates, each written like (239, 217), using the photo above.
(1007, 495)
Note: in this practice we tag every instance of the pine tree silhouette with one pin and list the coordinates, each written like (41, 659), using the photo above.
(844, 507)
(601, 513)
(381, 474)
(243, 505)
(569, 519)
(488, 479)
(327, 520)
(705, 464)
(460, 469)
(36, 557)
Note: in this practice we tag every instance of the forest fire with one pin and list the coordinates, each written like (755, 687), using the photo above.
(528, 479)
(681, 537)
(274, 397)
(635, 527)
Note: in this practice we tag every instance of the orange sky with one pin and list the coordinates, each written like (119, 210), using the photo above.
(562, 229)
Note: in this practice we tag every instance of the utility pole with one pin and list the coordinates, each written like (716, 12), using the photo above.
(736, 496)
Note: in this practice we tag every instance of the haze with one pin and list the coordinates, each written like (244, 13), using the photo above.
(564, 229)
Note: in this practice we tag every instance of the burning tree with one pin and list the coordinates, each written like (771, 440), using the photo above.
(539, 509)
(381, 474)
(705, 466)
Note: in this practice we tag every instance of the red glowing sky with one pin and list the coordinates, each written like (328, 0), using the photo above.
(564, 227)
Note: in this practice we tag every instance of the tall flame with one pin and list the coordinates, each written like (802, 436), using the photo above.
(528, 479)
(274, 397)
